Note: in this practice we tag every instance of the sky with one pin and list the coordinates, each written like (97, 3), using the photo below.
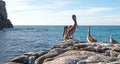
(59, 12)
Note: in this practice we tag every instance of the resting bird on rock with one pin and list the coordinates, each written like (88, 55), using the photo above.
(90, 39)
(112, 41)
(69, 30)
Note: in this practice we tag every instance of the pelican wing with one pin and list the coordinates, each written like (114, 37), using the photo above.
(71, 30)
(115, 42)
(92, 39)
(65, 30)
(66, 33)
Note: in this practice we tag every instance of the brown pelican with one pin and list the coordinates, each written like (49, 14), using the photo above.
(65, 30)
(69, 30)
(112, 41)
(90, 39)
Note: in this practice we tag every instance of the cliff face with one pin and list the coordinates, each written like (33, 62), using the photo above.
(4, 21)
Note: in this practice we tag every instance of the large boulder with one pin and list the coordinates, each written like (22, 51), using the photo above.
(25, 58)
(83, 53)
(4, 21)
(50, 55)
(75, 52)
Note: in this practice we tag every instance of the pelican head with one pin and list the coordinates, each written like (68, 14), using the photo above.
(74, 17)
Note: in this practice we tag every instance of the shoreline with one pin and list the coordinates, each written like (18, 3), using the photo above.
(73, 52)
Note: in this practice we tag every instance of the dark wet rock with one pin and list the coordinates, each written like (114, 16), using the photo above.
(82, 62)
(4, 21)
(102, 49)
(113, 59)
(80, 46)
(40, 60)
(107, 53)
(25, 57)
(20, 59)
(41, 53)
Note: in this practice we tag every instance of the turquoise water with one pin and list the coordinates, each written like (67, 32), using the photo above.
(21, 39)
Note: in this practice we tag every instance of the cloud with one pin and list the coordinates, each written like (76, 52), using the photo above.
(35, 12)
(111, 19)
(19, 5)
(48, 17)
(82, 12)
(100, 20)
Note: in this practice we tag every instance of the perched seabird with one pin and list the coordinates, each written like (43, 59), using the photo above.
(90, 39)
(112, 41)
(69, 30)
(65, 30)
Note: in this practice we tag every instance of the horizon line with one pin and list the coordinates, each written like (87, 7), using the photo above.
(65, 25)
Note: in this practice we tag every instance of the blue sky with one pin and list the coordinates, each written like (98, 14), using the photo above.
(59, 12)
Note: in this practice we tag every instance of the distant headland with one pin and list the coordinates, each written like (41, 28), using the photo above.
(4, 21)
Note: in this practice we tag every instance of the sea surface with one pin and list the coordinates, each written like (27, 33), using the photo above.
(22, 39)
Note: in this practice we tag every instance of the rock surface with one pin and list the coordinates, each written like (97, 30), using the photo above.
(4, 21)
(13, 63)
(75, 52)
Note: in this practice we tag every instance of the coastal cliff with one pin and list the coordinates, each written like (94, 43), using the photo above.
(4, 21)
(73, 52)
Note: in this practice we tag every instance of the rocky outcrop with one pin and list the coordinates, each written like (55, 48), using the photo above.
(73, 52)
(4, 21)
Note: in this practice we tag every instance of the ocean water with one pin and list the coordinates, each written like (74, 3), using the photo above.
(21, 39)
